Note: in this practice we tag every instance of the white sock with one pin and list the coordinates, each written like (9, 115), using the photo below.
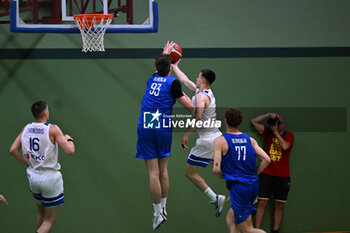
(210, 194)
(163, 202)
(157, 209)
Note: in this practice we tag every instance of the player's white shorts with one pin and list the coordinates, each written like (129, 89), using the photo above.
(203, 152)
(47, 187)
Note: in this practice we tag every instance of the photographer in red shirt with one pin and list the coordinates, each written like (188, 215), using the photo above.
(275, 179)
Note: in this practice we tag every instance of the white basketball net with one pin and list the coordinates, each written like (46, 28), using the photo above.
(93, 33)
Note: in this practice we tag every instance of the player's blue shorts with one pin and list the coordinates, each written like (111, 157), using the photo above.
(153, 143)
(242, 199)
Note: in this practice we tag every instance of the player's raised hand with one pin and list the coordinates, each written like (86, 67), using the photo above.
(168, 47)
(176, 63)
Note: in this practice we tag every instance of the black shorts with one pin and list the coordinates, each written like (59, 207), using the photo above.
(278, 186)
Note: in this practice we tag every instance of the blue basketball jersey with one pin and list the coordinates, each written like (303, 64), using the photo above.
(157, 96)
(239, 163)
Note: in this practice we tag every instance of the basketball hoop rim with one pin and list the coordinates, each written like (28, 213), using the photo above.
(92, 29)
(96, 17)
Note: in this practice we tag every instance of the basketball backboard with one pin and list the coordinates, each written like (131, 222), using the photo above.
(56, 16)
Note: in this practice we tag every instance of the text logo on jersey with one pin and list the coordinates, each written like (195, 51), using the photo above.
(35, 157)
(151, 120)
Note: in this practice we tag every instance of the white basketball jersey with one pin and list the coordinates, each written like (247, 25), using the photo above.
(37, 148)
(209, 113)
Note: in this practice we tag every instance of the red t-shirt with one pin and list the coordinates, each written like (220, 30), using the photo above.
(279, 165)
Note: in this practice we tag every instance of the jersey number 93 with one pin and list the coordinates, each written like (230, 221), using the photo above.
(155, 89)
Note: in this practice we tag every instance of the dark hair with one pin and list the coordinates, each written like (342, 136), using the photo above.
(209, 75)
(38, 108)
(163, 64)
(234, 116)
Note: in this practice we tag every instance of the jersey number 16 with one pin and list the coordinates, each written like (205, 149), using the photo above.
(33, 144)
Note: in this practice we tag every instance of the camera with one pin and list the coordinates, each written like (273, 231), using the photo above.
(273, 121)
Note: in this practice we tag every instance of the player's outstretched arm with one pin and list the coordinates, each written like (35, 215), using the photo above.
(15, 149)
(261, 154)
(219, 148)
(182, 77)
(64, 141)
(186, 102)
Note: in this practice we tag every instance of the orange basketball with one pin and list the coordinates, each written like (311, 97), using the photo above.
(175, 53)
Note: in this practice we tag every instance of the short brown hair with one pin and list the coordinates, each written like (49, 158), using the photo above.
(234, 116)
(208, 75)
(38, 108)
